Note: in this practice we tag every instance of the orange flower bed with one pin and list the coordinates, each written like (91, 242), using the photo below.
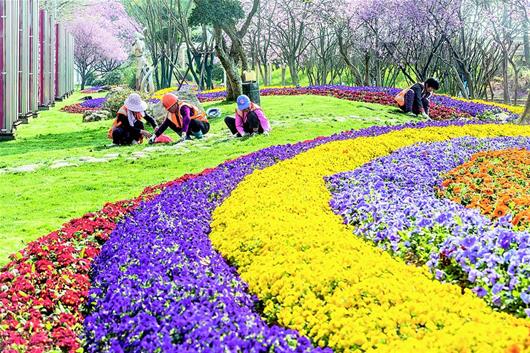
(496, 182)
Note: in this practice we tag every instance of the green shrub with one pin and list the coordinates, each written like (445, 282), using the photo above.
(116, 98)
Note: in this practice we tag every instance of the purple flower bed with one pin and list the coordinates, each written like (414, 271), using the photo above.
(94, 103)
(158, 285)
(392, 202)
(474, 109)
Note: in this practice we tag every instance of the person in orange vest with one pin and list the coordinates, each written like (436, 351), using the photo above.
(128, 127)
(249, 119)
(183, 118)
(416, 99)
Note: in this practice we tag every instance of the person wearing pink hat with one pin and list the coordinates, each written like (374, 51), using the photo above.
(128, 127)
(249, 119)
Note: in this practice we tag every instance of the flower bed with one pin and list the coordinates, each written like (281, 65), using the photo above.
(395, 202)
(311, 275)
(93, 89)
(96, 103)
(495, 182)
(44, 288)
(158, 274)
(516, 109)
(200, 303)
(442, 107)
(77, 108)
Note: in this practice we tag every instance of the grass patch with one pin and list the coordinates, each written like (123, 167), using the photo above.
(36, 203)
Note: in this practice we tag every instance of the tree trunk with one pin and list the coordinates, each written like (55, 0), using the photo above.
(294, 73)
(506, 89)
(283, 74)
(266, 81)
(525, 118)
(233, 83)
(526, 41)
(367, 69)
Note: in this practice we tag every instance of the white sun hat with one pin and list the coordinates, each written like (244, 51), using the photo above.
(135, 103)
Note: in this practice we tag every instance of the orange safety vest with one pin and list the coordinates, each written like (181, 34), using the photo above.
(400, 97)
(196, 114)
(123, 111)
(253, 107)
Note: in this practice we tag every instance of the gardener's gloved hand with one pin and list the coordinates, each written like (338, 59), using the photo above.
(152, 139)
(266, 133)
(425, 116)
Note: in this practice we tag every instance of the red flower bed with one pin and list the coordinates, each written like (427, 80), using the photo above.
(76, 108)
(44, 288)
(357, 94)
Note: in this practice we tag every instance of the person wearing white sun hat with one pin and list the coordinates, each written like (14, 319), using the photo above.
(128, 127)
(249, 119)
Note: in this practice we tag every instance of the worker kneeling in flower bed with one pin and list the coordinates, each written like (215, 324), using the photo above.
(183, 118)
(249, 119)
(415, 100)
(128, 127)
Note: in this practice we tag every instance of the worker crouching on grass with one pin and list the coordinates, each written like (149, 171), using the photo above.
(128, 127)
(183, 118)
(416, 99)
(249, 119)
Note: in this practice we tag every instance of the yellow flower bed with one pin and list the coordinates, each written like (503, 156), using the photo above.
(158, 94)
(314, 276)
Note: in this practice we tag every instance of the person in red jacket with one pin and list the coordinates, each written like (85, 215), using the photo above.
(416, 99)
(183, 118)
(249, 119)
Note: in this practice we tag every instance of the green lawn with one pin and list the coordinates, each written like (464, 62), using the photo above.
(38, 202)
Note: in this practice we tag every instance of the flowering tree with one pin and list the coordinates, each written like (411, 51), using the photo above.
(102, 31)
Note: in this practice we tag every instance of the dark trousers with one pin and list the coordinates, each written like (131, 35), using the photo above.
(195, 126)
(412, 106)
(252, 125)
(121, 136)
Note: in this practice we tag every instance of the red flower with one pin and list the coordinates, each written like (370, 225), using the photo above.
(39, 338)
(64, 338)
(67, 319)
(70, 298)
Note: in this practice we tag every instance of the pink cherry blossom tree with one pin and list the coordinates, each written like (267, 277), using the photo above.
(103, 33)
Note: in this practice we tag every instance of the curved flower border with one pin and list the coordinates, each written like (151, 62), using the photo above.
(20, 334)
(159, 267)
(313, 276)
(442, 107)
(392, 201)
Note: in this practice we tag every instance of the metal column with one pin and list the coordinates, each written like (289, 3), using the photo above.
(23, 61)
(34, 58)
(10, 39)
